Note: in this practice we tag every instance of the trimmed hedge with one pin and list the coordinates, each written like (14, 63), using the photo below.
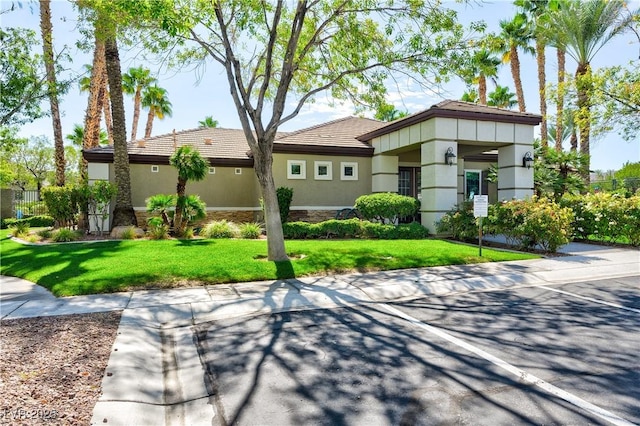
(353, 228)
(386, 207)
(41, 221)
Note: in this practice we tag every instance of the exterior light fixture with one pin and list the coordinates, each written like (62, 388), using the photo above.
(527, 160)
(449, 156)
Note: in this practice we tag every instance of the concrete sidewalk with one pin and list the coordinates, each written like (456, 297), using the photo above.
(154, 375)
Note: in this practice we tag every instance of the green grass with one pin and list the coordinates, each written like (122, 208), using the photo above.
(109, 266)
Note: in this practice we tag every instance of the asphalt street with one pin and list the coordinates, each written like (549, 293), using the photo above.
(562, 354)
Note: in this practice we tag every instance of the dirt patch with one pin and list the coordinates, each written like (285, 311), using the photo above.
(51, 368)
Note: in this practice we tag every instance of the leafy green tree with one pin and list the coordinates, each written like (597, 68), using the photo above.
(388, 112)
(190, 166)
(298, 50)
(22, 78)
(155, 99)
(582, 28)
(134, 82)
(470, 95)
(208, 122)
(34, 162)
(501, 97)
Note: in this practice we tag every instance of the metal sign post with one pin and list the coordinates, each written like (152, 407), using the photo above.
(480, 210)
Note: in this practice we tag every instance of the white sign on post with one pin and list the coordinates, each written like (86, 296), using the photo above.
(480, 205)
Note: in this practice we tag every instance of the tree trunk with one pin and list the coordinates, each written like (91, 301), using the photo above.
(47, 47)
(136, 113)
(560, 101)
(584, 121)
(178, 227)
(150, 117)
(91, 134)
(108, 121)
(263, 161)
(542, 82)
(123, 214)
(515, 71)
(482, 89)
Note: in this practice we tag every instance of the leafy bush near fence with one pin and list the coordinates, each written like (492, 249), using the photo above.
(41, 221)
(353, 228)
(62, 203)
(609, 217)
(386, 207)
(285, 196)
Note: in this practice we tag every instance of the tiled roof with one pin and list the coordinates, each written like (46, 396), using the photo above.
(457, 109)
(217, 143)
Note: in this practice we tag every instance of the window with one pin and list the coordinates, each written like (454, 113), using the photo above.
(155, 169)
(472, 184)
(349, 171)
(409, 181)
(238, 171)
(212, 170)
(296, 169)
(323, 170)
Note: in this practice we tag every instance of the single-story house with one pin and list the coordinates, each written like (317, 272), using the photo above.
(440, 156)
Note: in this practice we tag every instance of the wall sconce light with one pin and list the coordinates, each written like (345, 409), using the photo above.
(449, 156)
(527, 160)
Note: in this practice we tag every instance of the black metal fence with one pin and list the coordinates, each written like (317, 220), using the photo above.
(27, 203)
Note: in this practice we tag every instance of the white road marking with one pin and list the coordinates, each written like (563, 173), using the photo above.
(590, 299)
(521, 374)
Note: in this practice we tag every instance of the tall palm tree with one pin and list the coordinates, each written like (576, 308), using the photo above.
(536, 11)
(134, 82)
(582, 28)
(501, 97)
(47, 47)
(155, 98)
(103, 93)
(484, 65)
(208, 122)
(517, 34)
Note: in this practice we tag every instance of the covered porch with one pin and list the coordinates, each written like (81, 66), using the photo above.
(441, 156)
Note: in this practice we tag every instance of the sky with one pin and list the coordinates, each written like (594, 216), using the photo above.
(205, 93)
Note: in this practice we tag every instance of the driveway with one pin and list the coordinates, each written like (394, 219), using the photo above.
(550, 354)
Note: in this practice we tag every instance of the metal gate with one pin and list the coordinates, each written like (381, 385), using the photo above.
(27, 203)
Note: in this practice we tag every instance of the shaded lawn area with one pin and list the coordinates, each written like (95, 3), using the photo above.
(110, 266)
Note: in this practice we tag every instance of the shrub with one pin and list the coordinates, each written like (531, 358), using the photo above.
(386, 207)
(128, 234)
(353, 228)
(62, 203)
(45, 233)
(535, 222)
(65, 235)
(19, 229)
(459, 223)
(163, 205)
(349, 228)
(97, 197)
(33, 221)
(156, 229)
(250, 231)
(285, 195)
(296, 230)
(220, 229)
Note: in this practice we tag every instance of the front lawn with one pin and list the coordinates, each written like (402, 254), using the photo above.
(110, 266)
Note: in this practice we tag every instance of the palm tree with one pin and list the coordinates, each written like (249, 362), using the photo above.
(103, 93)
(517, 35)
(155, 98)
(582, 28)
(134, 82)
(47, 47)
(190, 166)
(484, 65)
(77, 136)
(537, 10)
(502, 98)
(388, 112)
(208, 122)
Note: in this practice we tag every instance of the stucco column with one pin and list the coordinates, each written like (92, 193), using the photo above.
(514, 180)
(384, 173)
(439, 182)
